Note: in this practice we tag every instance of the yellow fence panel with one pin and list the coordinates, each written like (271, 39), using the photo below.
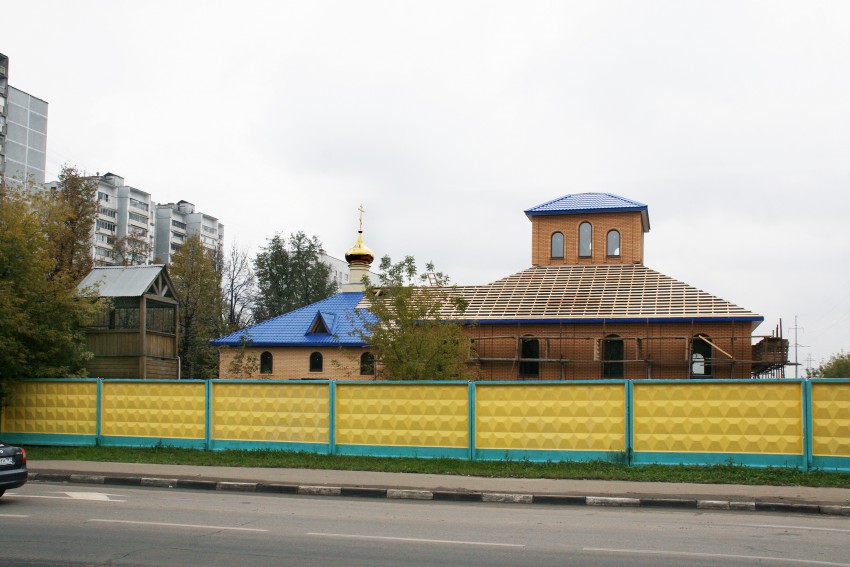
(564, 417)
(831, 419)
(43, 406)
(293, 413)
(413, 415)
(757, 417)
(154, 409)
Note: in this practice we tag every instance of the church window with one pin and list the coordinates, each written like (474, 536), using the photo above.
(266, 361)
(529, 366)
(613, 243)
(316, 362)
(701, 354)
(585, 238)
(613, 355)
(558, 245)
(367, 364)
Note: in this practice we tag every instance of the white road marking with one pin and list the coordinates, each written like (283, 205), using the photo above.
(714, 556)
(775, 526)
(415, 540)
(168, 525)
(14, 516)
(89, 496)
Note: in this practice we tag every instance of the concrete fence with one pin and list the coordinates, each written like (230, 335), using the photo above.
(794, 423)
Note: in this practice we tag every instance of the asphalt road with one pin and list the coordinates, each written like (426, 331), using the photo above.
(46, 524)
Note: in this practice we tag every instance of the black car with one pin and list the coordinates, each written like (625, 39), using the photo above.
(13, 467)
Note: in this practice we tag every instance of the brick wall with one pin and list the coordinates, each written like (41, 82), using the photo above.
(293, 363)
(628, 223)
(666, 345)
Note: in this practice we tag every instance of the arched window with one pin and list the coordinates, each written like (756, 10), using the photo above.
(585, 240)
(558, 245)
(701, 355)
(529, 367)
(316, 362)
(613, 243)
(266, 363)
(367, 364)
(613, 354)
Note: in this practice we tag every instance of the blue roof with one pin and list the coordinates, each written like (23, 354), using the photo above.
(590, 203)
(339, 313)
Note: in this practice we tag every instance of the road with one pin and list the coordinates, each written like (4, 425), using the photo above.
(47, 525)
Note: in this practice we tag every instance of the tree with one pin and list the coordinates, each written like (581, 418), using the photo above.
(197, 284)
(838, 366)
(244, 364)
(41, 313)
(414, 324)
(238, 288)
(71, 209)
(131, 249)
(290, 275)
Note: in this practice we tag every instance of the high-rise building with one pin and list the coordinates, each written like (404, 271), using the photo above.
(176, 222)
(23, 131)
(124, 228)
(4, 110)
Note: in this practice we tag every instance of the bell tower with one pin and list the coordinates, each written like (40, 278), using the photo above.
(588, 228)
(359, 259)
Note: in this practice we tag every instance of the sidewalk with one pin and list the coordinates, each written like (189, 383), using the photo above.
(799, 499)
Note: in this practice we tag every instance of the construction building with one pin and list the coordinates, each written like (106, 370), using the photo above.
(586, 309)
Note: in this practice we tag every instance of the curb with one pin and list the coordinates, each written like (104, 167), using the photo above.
(447, 495)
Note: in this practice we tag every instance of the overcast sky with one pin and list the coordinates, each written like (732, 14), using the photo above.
(447, 120)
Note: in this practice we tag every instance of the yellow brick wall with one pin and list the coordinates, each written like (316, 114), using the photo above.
(628, 223)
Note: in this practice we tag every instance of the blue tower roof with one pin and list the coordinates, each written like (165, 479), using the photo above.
(583, 203)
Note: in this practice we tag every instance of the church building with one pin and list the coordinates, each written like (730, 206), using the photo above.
(586, 309)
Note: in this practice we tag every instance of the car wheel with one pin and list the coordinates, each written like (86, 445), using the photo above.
(2, 492)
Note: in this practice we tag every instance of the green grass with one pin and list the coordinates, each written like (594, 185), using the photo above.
(715, 474)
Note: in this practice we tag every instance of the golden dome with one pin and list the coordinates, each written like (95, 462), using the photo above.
(360, 255)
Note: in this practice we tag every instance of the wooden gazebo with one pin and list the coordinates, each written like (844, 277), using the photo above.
(134, 335)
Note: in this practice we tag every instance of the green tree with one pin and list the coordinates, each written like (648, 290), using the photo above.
(197, 284)
(838, 366)
(290, 275)
(71, 209)
(414, 324)
(41, 312)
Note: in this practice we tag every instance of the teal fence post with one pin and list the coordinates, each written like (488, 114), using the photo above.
(208, 415)
(807, 424)
(332, 417)
(630, 413)
(471, 414)
(98, 428)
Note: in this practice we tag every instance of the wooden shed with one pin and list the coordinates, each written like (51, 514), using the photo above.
(135, 334)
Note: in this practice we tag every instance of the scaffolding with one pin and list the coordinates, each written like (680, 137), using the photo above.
(652, 356)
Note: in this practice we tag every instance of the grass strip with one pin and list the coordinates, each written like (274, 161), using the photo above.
(595, 470)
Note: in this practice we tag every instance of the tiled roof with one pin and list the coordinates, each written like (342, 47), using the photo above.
(293, 328)
(581, 203)
(594, 293)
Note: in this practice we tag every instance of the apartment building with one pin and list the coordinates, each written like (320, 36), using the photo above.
(23, 132)
(124, 229)
(175, 222)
